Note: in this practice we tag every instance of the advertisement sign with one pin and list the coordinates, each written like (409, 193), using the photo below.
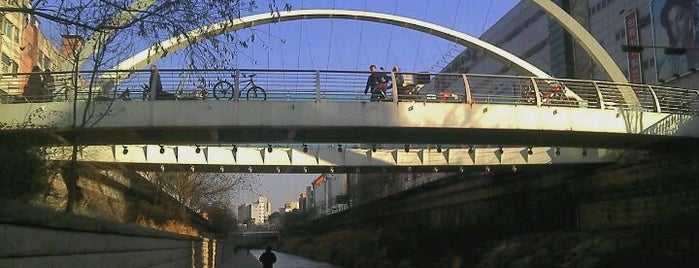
(676, 36)
(634, 58)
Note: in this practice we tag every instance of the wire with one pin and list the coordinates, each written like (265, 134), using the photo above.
(330, 40)
(487, 15)
(390, 35)
(453, 46)
(419, 42)
(298, 57)
(359, 44)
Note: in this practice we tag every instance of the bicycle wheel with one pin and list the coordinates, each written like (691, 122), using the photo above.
(256, 93)
(223, 90)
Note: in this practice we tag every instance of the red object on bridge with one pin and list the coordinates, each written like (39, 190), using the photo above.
(319, 180)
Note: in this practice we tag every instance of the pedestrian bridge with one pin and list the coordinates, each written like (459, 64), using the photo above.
(312, 113)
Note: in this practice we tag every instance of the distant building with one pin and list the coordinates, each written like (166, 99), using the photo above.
(261, 210)
(255, 213)
(302, 201)
(330, 193)
(245, 213)
(288, 207)
(309, 202)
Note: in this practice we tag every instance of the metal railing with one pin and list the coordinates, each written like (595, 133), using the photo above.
(311, 85)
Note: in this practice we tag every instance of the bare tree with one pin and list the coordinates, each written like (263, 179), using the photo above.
(202, 190)
(109, 28)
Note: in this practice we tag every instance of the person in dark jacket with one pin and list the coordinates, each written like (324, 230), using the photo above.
(154, 84)
(377, 82)
(34, 89)
(268, 258)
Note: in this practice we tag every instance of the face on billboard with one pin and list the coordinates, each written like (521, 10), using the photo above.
(675, 25)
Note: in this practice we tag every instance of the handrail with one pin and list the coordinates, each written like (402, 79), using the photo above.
(331, 86)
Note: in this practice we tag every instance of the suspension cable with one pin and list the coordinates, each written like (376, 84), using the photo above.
(419, 42)
(452, 47)
(359, 44)
(487, 15)
(298, 58)
(390, 35)
(330, 40)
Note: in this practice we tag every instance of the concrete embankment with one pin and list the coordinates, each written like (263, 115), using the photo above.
(563, 216)
(35, 237)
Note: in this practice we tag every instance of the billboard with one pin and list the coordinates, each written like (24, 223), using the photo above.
(634, 58)
(676, 36)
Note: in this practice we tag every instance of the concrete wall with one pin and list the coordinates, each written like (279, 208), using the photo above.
(644, 191)
(38, 238)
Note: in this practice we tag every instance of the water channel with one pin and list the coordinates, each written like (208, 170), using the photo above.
(293, 261)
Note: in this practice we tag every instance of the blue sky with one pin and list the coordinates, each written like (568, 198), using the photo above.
(336, 45)
(354, 45)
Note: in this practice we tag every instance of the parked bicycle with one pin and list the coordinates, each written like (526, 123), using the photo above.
(223, 90)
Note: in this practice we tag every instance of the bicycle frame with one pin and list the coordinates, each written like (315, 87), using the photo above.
(227, 91)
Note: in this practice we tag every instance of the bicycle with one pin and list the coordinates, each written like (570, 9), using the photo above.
(223, 90)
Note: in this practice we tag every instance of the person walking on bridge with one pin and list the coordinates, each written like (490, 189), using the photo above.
(154, 84)
(268, 258)
(377, 82)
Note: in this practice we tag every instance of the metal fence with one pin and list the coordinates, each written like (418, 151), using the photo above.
(311, 85)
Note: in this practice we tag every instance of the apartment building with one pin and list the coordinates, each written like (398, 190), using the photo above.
(23, 46)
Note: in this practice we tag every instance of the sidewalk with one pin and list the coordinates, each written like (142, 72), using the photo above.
(240, 259)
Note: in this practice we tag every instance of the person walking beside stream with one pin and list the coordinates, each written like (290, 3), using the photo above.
(268, 258)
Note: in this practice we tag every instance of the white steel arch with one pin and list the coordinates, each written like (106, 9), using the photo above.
(154, 53)
(591, 46)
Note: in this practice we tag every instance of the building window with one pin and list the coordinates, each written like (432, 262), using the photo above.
(44, 61)
(644, 21)
(10, 30)
(8, 65)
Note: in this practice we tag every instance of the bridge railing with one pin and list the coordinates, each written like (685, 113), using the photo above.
(312, 85)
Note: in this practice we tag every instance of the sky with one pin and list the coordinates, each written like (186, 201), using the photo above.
(354, 45)
(339, 44)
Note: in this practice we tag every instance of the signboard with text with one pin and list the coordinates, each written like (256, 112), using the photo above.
(634, 58)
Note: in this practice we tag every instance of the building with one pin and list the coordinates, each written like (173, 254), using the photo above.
(24, 46)
(255, 213)
(531, 34)
(261, 210)
(330, 193)
(289, 207)
(245, 213)
(303, 198)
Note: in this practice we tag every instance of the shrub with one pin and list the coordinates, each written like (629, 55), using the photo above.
(23, 169)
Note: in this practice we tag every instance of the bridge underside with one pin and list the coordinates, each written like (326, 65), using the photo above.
(333, 158)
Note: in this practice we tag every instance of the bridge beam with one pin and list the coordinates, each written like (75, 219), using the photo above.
(329, 158)
(216, 122)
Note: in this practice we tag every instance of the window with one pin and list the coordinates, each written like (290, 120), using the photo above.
(7, 28)
(10, 30)
(44, 61)
(8, 65)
